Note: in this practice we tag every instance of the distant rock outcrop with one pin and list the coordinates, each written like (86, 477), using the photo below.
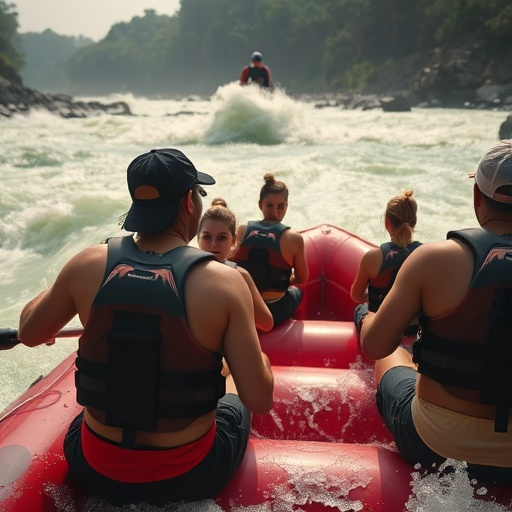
(466, 76)
(395, 104)
(506, 128)
(470, 74)
(15, 98)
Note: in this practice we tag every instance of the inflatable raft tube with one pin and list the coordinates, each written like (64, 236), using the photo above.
(333, 256)
(318, 343)
(331, 405)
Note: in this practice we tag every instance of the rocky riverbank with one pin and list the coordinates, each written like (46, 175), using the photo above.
(15, 98)
(469, 75)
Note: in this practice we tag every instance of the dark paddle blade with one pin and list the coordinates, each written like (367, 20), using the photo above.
(8, 338)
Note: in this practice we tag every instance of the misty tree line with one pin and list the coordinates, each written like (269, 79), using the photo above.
(310, 45)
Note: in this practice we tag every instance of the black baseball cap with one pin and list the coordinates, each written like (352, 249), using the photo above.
(157, 181)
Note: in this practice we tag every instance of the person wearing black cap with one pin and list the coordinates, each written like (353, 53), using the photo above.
(452, 398)
(161, 420)
(256, 72)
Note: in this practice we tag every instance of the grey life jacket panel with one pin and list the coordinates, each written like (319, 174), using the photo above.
(484, 364)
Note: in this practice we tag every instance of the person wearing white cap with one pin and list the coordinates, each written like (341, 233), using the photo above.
(161, 420)
(256, 73)
(452, 398)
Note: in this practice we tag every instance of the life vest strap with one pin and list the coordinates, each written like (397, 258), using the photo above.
(497, 383)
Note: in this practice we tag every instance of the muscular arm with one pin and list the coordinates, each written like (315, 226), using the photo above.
(249, 366)
(221, 317)
(72, 293)
(368, 268)
(44, 315)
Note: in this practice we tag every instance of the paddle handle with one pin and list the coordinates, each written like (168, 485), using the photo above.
(9, 336)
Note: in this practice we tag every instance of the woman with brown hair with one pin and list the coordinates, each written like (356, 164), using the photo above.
(274, 253)
(217, 234)
(378, 267)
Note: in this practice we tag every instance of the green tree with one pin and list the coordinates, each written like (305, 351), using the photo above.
(10, 53)
(46, 55)
(309, 46)
(127, 59)
(487, 19)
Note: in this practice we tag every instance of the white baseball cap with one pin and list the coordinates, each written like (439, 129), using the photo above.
(494, 172)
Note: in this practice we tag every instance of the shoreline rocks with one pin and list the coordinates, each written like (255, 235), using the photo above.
(425, 92)
(15, 99)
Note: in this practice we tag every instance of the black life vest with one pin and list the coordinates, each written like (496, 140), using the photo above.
(393, 257)
(260, 254)
(470, 347)
(138, 365)
(259, 76)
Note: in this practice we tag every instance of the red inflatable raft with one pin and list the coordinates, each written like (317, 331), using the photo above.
(322, 447)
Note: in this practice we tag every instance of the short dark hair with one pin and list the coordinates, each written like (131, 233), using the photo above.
(497, 206)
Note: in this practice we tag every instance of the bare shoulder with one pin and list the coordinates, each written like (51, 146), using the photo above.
(215, 277)
(88, 260)
(372, 256)
(370, 263)
(91, 253)
(438, 268)
(442, 252)
(293, 233)
(292, 238)
(442, 271)
(243, 273)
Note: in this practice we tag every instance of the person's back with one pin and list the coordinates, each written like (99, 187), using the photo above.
(274, 254)
(378, 267)
(459, 406)
(157, 426)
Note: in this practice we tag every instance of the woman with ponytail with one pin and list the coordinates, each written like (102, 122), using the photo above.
(378, 267)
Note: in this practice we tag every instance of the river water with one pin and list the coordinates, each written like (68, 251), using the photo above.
(63, 181)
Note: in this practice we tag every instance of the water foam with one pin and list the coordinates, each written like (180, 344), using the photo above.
(449, 489)
(252, 115)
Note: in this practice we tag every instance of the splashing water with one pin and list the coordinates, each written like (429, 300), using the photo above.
(253, 115)
(451, 491)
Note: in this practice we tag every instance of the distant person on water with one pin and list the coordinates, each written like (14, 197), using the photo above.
(161, 421)
(256, 72)
(274, 254)
(217, 234)
(378, 267)
(506, 128)
(452, 398)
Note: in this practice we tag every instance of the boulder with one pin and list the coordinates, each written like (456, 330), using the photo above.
(506, 128)
(395, 104)
(15, 98)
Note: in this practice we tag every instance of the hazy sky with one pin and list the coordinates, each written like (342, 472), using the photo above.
(91, 18)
